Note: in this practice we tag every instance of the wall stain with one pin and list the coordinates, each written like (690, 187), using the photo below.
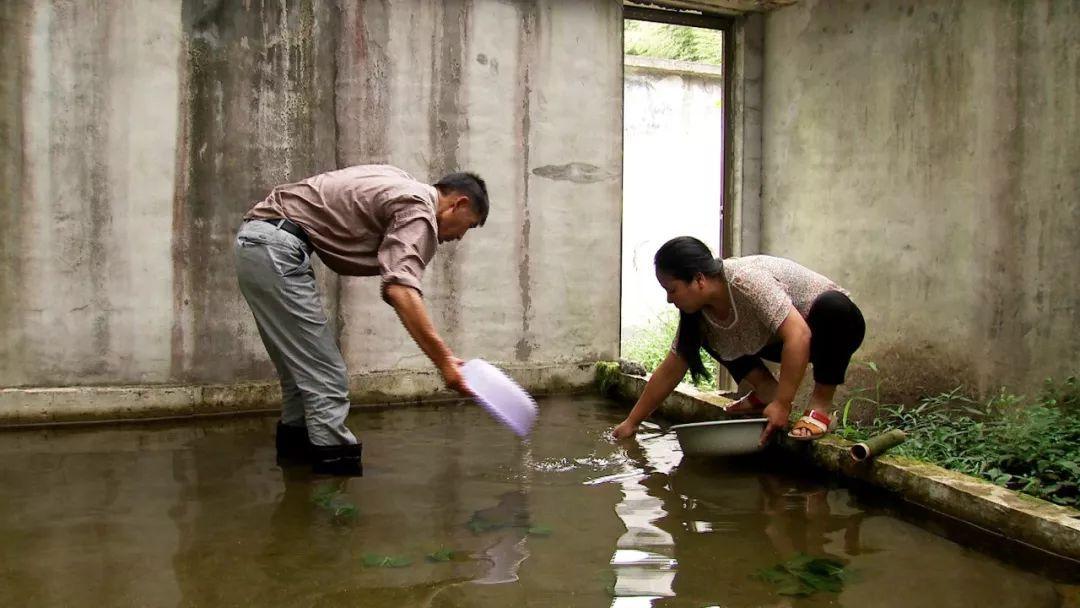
(363, 75)
(447, 123)
(99, 195)
(15, 175)
(78, 203)
(579, 173)
(321, 64)
(1002, 317)
(363, 72)
(492, 63)
(181, 325)
(527, 49)
(250, 121)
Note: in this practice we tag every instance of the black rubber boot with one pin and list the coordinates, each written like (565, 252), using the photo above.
(338, 459)
(293, 445)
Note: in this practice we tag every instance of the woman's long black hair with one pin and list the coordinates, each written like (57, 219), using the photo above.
(683, 258)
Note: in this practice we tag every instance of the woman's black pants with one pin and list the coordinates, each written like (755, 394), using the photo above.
(836, 331)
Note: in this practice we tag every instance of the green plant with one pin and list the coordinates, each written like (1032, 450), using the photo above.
(448, 555)
(479, 524)
(805, 575)
(859, 395)
(677, 42)
(607, 376)
(540, 530)
(331, 499)
(651, 344)
(1029, 445)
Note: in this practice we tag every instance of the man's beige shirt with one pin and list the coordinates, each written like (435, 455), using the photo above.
(365, 220)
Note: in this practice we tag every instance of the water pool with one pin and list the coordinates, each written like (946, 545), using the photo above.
(452, 511)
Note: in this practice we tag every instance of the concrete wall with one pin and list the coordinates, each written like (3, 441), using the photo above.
(925, 155)
(744, 132)
(673, 171)
(135, 134)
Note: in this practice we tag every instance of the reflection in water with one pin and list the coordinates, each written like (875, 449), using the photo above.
(644, 563)
(510, 519)
(506, 550)
(682, 518)
(800, 518)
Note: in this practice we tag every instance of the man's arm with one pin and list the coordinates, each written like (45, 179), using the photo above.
(410, 308)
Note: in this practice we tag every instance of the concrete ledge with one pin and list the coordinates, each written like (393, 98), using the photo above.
(52, 406)
(686, 404)
(673, 67)
(1019, 517)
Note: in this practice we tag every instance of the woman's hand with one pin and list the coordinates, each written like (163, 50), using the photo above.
(778, 413)
(660, 384)
(625, 430)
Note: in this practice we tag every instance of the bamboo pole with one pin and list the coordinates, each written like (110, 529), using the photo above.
(877, 445)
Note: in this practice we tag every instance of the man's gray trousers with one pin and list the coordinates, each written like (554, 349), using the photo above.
(278, 282)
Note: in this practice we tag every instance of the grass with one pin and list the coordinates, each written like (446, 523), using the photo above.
(674, 42)
(650, 345)
(1031, 445)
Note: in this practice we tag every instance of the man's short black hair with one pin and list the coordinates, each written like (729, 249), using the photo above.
(470, 185)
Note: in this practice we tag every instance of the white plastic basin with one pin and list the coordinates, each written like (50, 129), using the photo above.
(500, 395)
(720, 437)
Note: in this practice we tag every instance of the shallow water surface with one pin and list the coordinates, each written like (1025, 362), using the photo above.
(452, 510)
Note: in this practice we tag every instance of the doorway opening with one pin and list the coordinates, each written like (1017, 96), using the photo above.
(675, 159)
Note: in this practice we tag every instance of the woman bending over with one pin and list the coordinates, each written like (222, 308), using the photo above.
(744, 310)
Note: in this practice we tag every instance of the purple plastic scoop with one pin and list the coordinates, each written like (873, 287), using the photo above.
(500, 395)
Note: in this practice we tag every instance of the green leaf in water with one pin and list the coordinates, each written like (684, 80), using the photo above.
(330, 499)
(442, 555)
(774, 575)
(325, 496)
(819, 582)
(479, 525)
(373, 560)
(804, 575)
(540, 530)
(448, 555)
(346, 511)
(793, 587)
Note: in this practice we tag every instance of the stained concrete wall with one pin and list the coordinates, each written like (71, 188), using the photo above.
(135, 134)
(925, 155)
(744, 132)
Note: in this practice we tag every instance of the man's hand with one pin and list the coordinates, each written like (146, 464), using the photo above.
(778, 414)
(451, 374)
(625, 430)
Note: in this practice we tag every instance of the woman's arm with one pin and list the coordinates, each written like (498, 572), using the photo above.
(664, 380)
(794, 357)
